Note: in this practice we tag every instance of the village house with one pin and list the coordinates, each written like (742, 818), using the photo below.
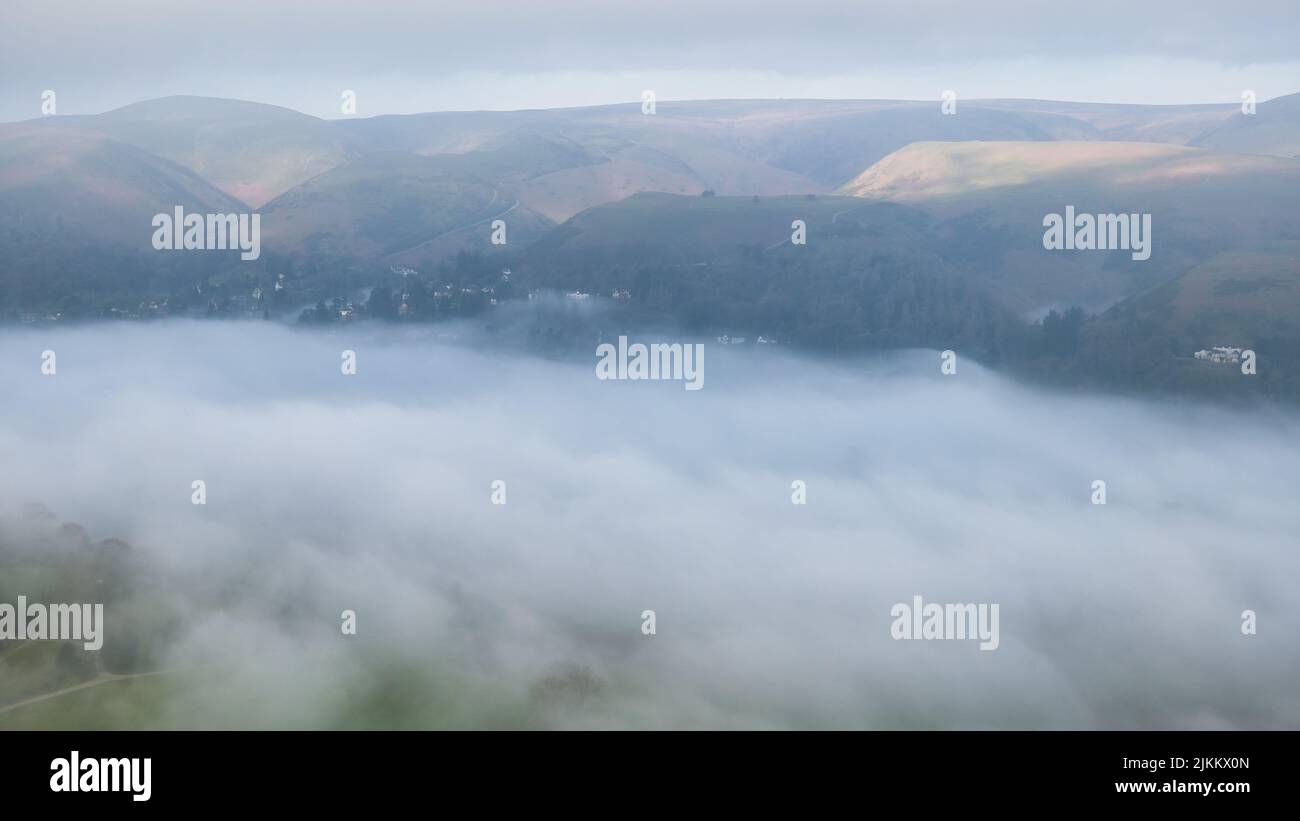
(1219, 354)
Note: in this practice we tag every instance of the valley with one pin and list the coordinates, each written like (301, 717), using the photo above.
(921, 229)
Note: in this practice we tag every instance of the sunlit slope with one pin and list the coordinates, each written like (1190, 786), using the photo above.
(249, 150)
(91, 186)
(257, 152)
(992, 198)
(932, 170)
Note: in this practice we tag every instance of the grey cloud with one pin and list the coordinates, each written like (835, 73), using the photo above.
(103, 55)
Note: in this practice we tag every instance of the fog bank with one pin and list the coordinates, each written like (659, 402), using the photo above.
(373, 493)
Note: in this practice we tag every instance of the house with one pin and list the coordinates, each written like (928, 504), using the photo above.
(1219, 354)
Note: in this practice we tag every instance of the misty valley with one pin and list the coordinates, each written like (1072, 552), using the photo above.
(993, 229)
(494, 522)
(406, 421)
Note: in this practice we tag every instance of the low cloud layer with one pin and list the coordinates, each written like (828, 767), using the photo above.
(372, 493)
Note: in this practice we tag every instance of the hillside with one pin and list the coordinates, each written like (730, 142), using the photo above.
(257, 152)
(685, 230)
(1237, 298)
(928, 171)
(991, 199)
(251, 151)
(393, 203)
(1274, 129)
(934, 236)
(93, 186)
(868, 276)
(76, 211)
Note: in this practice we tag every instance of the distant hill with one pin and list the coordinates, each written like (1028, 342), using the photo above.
(250, 151)
(1235, 298)
(1274, 129)
(94, 186)
(685, 230)
(930, 171)
(922, 228)
(404, 205)
(76, 212)
(1176, 124)
(1246, 299)
(257, 152)
(868, 276)
(991, 197)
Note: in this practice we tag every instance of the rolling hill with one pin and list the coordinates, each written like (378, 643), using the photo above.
(1274, 129)
(404, 206)
(248, 150)
(994, 196)
(922, 228)
(76, 211)
(93, 186)
(257, 152)
(672, 229)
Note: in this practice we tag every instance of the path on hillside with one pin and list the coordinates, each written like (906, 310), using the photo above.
(834, 218)
(838, 214)
(102, 678)
(495, 194)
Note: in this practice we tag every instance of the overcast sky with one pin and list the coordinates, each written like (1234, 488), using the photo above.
(403, 56)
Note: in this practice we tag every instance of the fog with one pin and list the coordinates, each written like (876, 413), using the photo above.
(373, 493)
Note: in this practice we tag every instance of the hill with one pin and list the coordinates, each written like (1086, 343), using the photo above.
(867, 277)
(257, 152)
(991, 199)
(76, 211)
(398, 204)
(249, 150)
(1274, 129)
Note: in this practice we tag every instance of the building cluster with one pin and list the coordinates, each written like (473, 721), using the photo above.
(727, 339)
(1220, 354)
